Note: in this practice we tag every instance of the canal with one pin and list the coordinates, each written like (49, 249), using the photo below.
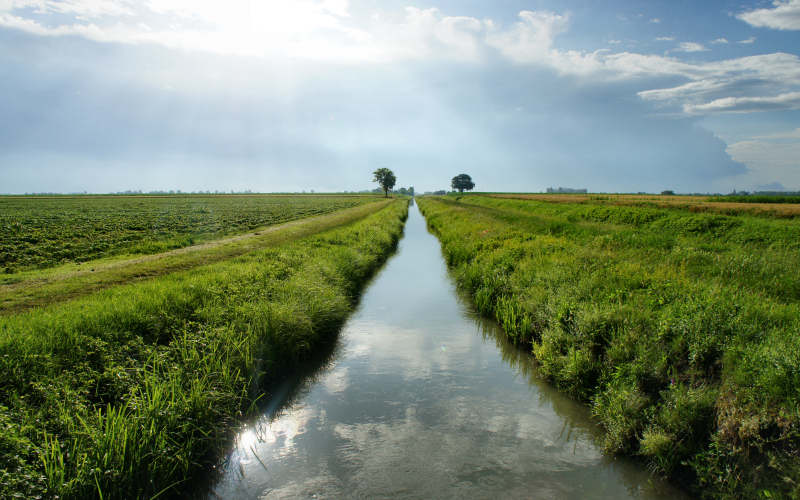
(422, 398)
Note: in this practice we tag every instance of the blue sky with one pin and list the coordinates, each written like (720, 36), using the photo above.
(110, 95)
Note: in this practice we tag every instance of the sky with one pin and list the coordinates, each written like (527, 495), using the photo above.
(275, 96)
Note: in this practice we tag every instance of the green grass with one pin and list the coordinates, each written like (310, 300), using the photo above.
(134, 391)
(758, 199)
(39, 232)
(681, 330)
(41, 287)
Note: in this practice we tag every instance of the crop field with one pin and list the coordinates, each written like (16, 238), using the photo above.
(38, 232)
(133, 391)
(680, 329)
(771, 206)
(41, 287)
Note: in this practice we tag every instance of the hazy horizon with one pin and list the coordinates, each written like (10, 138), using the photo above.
(112, 95)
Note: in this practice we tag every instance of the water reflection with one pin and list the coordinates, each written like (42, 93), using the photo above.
(422, 398)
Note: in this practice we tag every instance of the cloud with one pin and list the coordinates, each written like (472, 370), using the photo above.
(655, 20)
(792, 135)
(719, 40)
(746, 84)
(326, 31)
(665, 38)
(771, 157)
(232, 124)
(690, 47)
(82, 9)
(789, 100)
(302, 28)
(531, 39)
(747, 41)
(785, 15)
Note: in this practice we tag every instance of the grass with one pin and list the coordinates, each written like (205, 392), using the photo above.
(680, 329)
(37, 288)
(759, 199)
(765, 206)
(133, 391)
(38, 232)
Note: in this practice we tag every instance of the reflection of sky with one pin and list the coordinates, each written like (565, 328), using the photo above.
(420, 404)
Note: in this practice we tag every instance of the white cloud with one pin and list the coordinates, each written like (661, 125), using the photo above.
(530, 39)
(770, 157)
(665, 38)
(326, 30)
(789, 100)
(719, 40)
(785, 15)
(655, 20)
(712, 84)
(82, 9)
(690, 47)
(747, 41)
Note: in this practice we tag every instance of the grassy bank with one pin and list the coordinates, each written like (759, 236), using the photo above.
(680, 329)
(766, 206)
(134, 390)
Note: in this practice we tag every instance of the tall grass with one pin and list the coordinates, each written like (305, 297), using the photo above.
(681, 330)
(133, 391)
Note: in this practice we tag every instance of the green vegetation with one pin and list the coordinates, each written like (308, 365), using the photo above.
(462, 182)
(385, 179)
(40, 232)
(134, 390)
(757, 198)
(680, 329)
(45, 286)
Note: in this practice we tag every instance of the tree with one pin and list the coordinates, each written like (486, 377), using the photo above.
(462, 182)
(385, 178)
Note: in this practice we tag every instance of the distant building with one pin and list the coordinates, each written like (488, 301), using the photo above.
(563, 190)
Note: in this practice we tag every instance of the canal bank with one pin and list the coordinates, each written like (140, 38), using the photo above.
(421, 398)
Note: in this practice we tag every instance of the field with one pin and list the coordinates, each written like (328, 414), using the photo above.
(41, 287)
(40, 232)
(680, 329)
(771, 206)
(132, 390)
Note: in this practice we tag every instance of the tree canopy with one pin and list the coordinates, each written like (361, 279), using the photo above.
(385, 179)
(462, 182)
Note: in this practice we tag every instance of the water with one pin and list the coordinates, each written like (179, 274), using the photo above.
(421, 398)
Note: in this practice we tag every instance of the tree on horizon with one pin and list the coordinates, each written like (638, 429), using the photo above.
(462, 182)
(385, 178)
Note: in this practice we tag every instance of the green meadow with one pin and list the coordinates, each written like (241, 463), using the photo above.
(133, 390)
(681, 330)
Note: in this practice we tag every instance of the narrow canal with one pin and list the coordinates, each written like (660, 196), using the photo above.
(421, 398)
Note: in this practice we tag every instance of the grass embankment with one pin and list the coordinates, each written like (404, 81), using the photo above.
(134, 390)
(769, 206)
(46, 286)
(681, 330)
(38, 232)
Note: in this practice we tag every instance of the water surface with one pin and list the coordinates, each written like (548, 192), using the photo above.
(421, 398)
